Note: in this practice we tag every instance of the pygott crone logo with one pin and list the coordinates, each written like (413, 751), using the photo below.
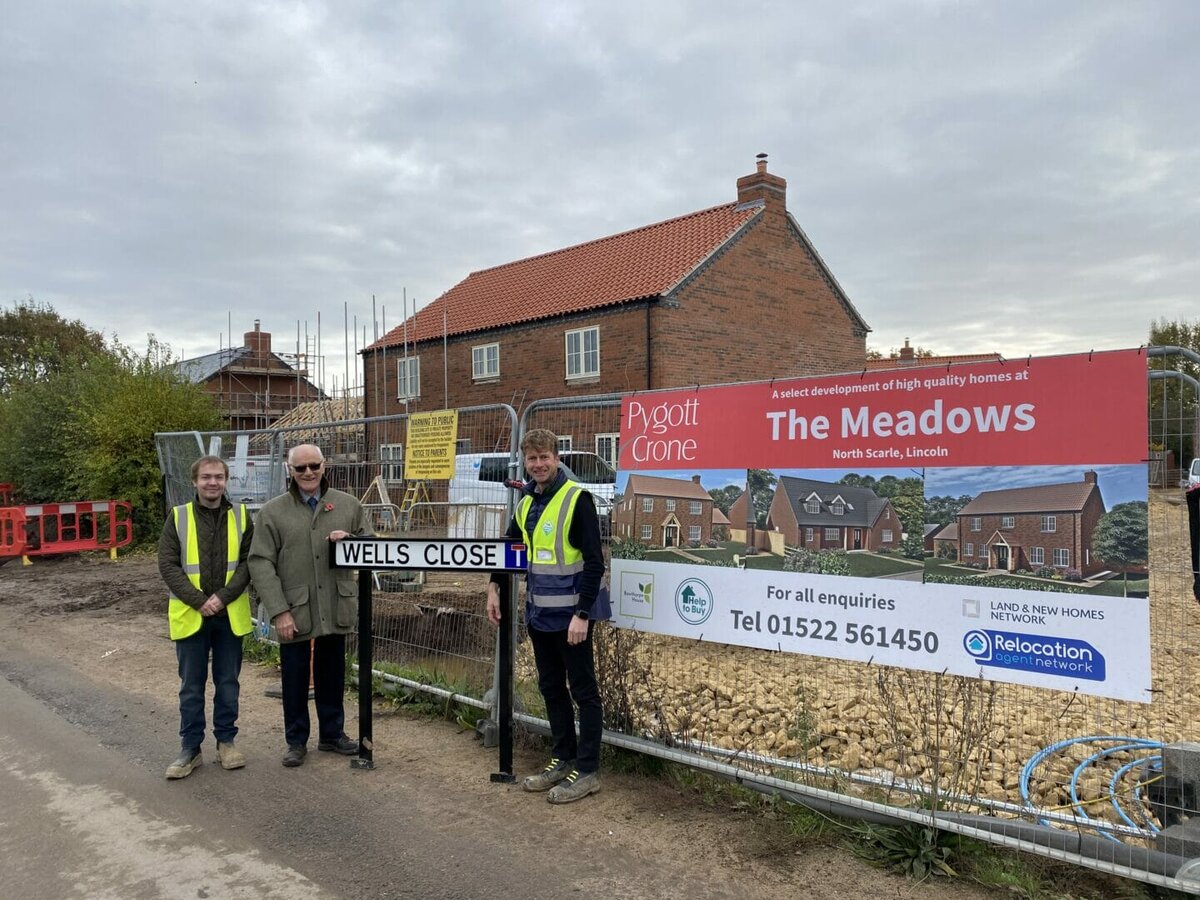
(694, 601)
(1044, 654)
(637, 595)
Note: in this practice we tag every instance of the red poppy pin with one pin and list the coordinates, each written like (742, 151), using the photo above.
(328, 507)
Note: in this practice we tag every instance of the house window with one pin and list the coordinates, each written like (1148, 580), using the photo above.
(1049, 524)
(969, 550)
(583, 353)
(976, 524)
(647, 504)
(887, 535)
(887, 513)
(808, 535)
(1008, 521)
(485, 361)
(812, 507)
(1037, 556)
(565, 442)
(646, 532)
(408, 378)
(607, 448)
(1062, 557)
(670, 505)
(695, 507)
(832, 534)
(694, 533)
(391, 459)
(838, 508)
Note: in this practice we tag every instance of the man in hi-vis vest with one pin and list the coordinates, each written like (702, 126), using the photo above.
(556, 518)
(202, 558)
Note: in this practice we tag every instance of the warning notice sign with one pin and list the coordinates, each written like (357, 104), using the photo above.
(430, 449)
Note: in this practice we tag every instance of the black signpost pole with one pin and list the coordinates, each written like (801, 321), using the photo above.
(504, 708)
(365, 758)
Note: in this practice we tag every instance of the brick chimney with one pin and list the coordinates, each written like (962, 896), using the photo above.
(1089, 477)
(907, 354)
(258, 341)
(695, 479)
(762, 185)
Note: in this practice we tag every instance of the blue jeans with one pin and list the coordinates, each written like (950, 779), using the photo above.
(215, 637)
(560, 663)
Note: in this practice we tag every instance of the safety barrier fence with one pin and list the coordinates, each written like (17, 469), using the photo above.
(1075, 777)
(49, 529)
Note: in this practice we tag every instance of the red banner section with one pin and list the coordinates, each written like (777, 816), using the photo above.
(1042, 411)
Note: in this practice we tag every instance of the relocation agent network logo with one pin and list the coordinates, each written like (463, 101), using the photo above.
(1067, 657)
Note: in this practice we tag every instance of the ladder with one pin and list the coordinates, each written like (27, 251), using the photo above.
(415, 506)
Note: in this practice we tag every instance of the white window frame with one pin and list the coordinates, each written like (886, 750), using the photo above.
(566, 442)
(1062, 558)
(485, 363)
(969, 549)
(838, 508)
(408, 378)
(1008, 521)
(887, 535)
(1037, 556)
(391, 462)
(1049, 524)
(695, 508)
(830, 533)
(976, 523)
(694, 533)
(812, 508)
(808, 535)
(608, 447)
(647, 504)
(670, 504)
(647, 532)
(582, 361)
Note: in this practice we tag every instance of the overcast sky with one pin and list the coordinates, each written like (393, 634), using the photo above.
(1020, 177)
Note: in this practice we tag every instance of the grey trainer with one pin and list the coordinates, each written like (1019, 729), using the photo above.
(184, 764)
(556, 770)
(575, 787)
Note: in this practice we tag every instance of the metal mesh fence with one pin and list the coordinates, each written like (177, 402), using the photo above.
(979, 757)
(967, 751)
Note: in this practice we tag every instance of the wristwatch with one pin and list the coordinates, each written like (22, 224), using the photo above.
(581, 614)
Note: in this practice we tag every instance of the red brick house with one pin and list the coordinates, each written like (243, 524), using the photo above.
(819, 515)
(665, 512)
(907, 358)
(251, 385)
(1031, 527)
(735, 292)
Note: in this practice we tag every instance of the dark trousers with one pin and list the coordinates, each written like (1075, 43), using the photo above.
(559, 663)
(216, 639)
(329, 686)
(1193, 508)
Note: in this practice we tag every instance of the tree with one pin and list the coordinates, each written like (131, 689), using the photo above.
(35, 342)
(1120, 538)
(723, 497)
(762, 490)
(1173, 404)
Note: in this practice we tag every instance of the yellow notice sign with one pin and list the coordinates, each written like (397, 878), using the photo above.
(429, 452)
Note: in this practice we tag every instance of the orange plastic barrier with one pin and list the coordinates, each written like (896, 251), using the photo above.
(52, 528)
(12, 531)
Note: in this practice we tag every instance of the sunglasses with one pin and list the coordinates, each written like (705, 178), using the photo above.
(308, 467)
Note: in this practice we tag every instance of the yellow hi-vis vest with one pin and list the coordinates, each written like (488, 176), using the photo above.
(185, 621)
(554, 563)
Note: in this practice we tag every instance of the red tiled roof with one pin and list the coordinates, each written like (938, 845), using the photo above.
(719, 518)
(656, 486)
(645, 262)
(921, 361)
(1048, 498)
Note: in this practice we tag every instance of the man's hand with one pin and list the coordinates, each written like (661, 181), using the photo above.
(338, 535)
(493, 603)
(577, 631)
(285, 625)
(212, 606)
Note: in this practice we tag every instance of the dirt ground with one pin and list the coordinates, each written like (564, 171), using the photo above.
(104, 621)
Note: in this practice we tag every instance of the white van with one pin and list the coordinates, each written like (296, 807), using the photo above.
(480, 477)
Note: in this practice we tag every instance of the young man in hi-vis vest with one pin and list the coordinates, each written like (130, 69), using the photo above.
(202, 557)
(556, 518)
